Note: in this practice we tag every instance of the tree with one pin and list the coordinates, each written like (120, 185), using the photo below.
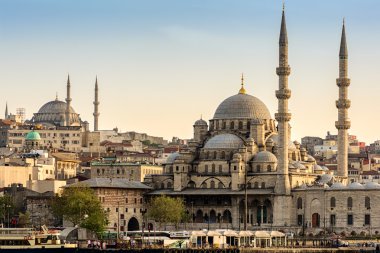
(164, 210)
(24, 219)
(79, 205)
(6, 207)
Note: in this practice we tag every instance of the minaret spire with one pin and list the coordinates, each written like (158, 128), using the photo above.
(6, 110)
(96, 106)
(343, 104)
(68, 101)
(282, 187)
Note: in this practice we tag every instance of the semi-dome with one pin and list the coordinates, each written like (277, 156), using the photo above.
(33, 136)
(355, 186)
(242, 106)
(224, 141)
(265, 157)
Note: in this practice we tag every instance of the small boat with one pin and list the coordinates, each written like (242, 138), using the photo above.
(28, 238)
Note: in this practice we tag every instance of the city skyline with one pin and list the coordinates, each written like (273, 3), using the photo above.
(151, 56)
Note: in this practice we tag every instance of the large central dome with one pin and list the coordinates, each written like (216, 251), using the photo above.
(55, 106)
(242, 106)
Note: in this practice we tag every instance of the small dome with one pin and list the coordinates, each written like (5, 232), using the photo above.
(325, 168)
(237, 157)
(270, 142)
(224, 141)
(372, 185)
(355, 185)
(33, 136)
(310, 158)
(242, 106)
(171, 158)
(299, 165)
(265, 157)
(200, 122)
(337, 186)
(325, 178)
(317, 167)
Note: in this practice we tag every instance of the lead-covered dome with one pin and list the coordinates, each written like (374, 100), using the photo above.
(55, 106)
(224, 141)
(242, 106)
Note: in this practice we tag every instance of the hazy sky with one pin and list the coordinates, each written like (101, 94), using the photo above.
(163, 63)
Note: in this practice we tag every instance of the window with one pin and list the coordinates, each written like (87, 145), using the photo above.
(135, 200)
(263, 185)
(223, 125)
(367, 202)
(122, 216)
(141, 200)
(117, 209)
(206, 168)
(215, 154)
(223, 155)
(299, 203)
(134, 210)
(300, 220)
(212, 185)
(169, 185)
(126, 210)
(220, 168)
(350, 219)
(213, 168)
(367, 219)
(220, 185)
(240, 125)
(256, 185)
(349, 202)
(232, 125)
(332, 220)
(126, 200)
(269, 168)
(332, 202)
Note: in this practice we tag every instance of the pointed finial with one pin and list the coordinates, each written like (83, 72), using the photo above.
(56, 96)
(201, 116)
(96, 81)
(343, 44)
(283, 5)
(242, 90)
(68, 79)
(283, 32)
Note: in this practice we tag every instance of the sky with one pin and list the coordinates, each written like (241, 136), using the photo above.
(161, 64)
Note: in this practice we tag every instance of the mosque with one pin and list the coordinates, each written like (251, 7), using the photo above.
(242, 171)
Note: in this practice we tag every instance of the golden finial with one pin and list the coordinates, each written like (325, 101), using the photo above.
(242, 90)
(56, 96)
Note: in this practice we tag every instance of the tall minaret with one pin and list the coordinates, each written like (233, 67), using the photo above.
(343, 103)
(68, 102)
(6, 110)
(96, 106)
(283, 116)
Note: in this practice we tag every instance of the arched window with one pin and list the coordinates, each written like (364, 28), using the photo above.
(207, 155)
(213, 168)
(171, 169)
(248, 125)
(223, 155)
(212, 185)
(223, 125)
(249, 186)
(240, 125)
(263, 185)
(206, 168)
(215, 154)
(258, 168)
(299, 203)
(217, 124)
(204, 185)
(162, 185)
(169, 185)
(220, 185)
(367, 202)
(256, 185)
(220, 168)
(332, 202)
(232, 125)
(191, 184)
(269, 168)
(349, 202)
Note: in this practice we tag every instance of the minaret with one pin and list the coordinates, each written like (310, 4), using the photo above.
(96, 106)
(68, 102)
(283, 116)
(343, 103)
(6, 110)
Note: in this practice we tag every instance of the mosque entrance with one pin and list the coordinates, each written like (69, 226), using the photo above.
(133, 224)
(315, 220)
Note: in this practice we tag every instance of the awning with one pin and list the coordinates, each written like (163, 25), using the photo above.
(230, 233)
(261, 234)
(213, 233)
(245, 233)
(276, 234)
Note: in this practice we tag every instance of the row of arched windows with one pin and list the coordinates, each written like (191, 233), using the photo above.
(350, 202)
(213, 168)
(212, 185)
(168, 185)
(217, 155)
(237, 125)
(255, 185)
(260, 168)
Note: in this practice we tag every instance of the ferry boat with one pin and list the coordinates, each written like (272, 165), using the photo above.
(28, 238)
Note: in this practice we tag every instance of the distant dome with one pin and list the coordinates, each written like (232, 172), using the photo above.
(54, 112)
(317, 167)
(200, 122)
(299, 165)
(325, 178)
(33, 136)
(372, 185)
(265, 157)
(310, 158)
(224, 141)
(171, 158)
(355, 185)
(337, 186)
(242, 106)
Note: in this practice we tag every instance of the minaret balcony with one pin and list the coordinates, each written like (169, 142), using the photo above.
(345, 124)
(343, 82)
(283, 71)
(283, 94)
(283, 116)
(343, 103)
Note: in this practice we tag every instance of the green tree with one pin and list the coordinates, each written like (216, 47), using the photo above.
(79, 205)
(165, 209)
(6, 207)
(24, 219)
